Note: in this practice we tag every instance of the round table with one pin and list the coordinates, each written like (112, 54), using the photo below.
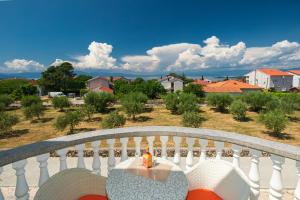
(122, 184)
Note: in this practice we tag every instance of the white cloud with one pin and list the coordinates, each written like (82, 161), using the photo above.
(22, 65)
(58, 62)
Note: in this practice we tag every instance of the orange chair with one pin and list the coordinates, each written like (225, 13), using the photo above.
(200, 194)
(93, 197)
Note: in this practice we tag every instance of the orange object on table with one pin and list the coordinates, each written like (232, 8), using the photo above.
(202, 194)
(93, 197)
(147, 159)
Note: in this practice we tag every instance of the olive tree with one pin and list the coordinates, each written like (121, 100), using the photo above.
(70, 118)
(7, 121)
(100, 100)
(34, 110)
(191, 119)
(219, 101)
(60, 102)
(30, 100)
(5, 101)
(274, 120)
(256, 100)
(88, 111)
(238, 109)
(113, 120)
(134, 103)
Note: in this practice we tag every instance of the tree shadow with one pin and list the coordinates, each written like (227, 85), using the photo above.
(95, 119)
(14, 133)
(246, 119)
(142, 118)
(79, 130)
(226, 111)
(294, 119)
(42, 120)
(282, 136)
(148, 109)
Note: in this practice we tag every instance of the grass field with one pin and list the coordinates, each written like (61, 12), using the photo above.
(26, 132)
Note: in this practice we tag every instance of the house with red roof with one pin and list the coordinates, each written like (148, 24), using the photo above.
(99, 84)
(270, 79)
(296, 78)
(202, 82)
(230, 86)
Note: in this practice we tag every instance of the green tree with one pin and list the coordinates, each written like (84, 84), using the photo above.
(194, 89)
(7, 86)
(238, 109)
(256, 100)
(30, 100)
(192, 119)
(113, 120)
(34, 110)
(88, 111)
(17, 94)
(187, 103)
(5, 101)
(220, 101)
(70, 118)
(100, 100)
(7, 121)
(134, 103)
(61, 102)
(274, 120)
(172, 101)
(28, 89)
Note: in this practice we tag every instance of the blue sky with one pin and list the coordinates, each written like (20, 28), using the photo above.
(149, 36)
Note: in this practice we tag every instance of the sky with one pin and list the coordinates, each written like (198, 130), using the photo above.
(149, 36)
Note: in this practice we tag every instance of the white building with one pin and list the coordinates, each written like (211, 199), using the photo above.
(270, 78)
(296, 77)
(171, 83)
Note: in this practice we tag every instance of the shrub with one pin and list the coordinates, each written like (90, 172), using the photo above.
(17, 94)
(30, 100)
(191, 119)
(5, 101)
(7, 121)
(70, 118)
(83, 92)
(171, 101)
(194, 89)
(113, 120)
(99, 100)
(88, 111)
(34, 110)
(274, 120)
(256, 100)
(220, 101)
(134, 103)
(187, 103)
(288, 103)
(61, 102)
(238, 109)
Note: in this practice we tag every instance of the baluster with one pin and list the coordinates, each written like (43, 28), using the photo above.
(124, 142)
(21, 191)
(1, 195)
(203, 144)
(219, 149)
(276, 185)
(164, 140)
(297, 190)
(176, 159)
(62, 159)
(44, 174)
(111, 154)
(254, 175)
(137, 141)
(236, 155)
(150, 140)
(189, 158)
(80, 159)
(96, 160)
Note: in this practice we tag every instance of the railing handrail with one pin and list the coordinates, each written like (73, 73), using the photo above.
(38, 148)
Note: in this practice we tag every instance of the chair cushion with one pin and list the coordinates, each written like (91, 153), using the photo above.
(202, 194)
(93, 197)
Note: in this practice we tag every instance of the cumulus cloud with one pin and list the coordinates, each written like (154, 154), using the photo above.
(22, 65)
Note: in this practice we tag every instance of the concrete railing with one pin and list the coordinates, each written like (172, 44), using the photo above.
(278, 151)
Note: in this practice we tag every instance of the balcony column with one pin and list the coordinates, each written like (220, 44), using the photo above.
(203, 144)
(190, 157)
(254, 175)
(150, 140)
(236, 155)
(164, 140)
(1, 195)
(80, 159)
(96, 160)
(44, 174)
(297, 190)
(177, 141)
(111, 162)
(276, 185)
(124, 142)
(219, 149)
(21, 191)
(62, 159)
(137, 141)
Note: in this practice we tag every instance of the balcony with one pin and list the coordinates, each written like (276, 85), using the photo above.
(263, 161)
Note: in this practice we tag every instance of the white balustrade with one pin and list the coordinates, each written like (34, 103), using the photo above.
(203, 144)
(190, 157)
(150, 140)
(1, 195)
(21, 191)
(124, 142)
(44, 174)
(96, 160)
(276, 185)
(164, 140)
(297, 190)
(80, 159)
(111, 162)
(177, 141)
(254, 175)
(219, 149)
(236, 155)
(62, 159)
(137, 141)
